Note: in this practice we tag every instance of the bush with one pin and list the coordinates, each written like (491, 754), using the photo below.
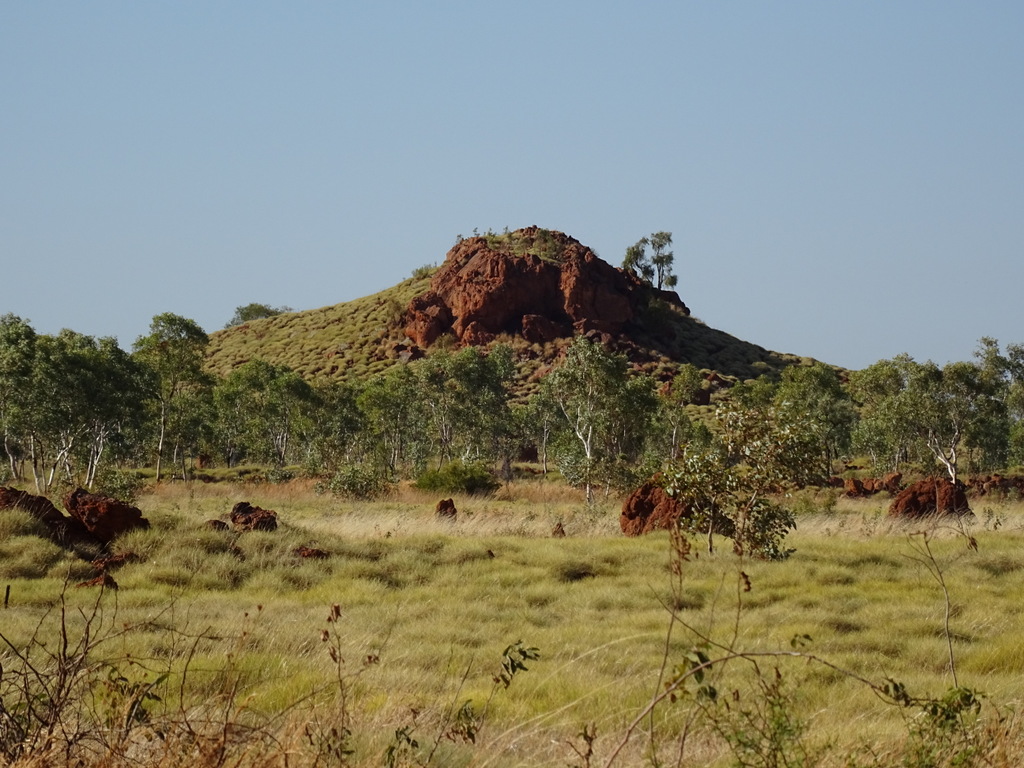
(356, 483)
(456, 477)
(122, 484)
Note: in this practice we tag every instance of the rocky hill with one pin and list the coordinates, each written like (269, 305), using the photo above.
(534, 289)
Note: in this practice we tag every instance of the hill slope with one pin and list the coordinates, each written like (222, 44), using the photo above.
(533, 289)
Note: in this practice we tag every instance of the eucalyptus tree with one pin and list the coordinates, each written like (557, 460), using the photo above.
(174, 352)
(465, 400)
(333, 427)
(940, 410)
(84, 395)
(886, 430)
(607, 413)
(393, 426)
(654, 268)
(672, 401)
(17, 350)
(730, 483)
(261, 406)
(815, 395)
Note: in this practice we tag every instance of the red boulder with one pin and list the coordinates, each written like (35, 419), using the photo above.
(246, 517)
(105, 518)
(931, 496)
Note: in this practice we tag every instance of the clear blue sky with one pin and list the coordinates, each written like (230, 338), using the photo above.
(843, 180)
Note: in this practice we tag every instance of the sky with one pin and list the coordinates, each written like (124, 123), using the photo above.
(843, 181)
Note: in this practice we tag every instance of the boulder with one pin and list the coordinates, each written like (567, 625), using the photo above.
(445, 510)
(931, 496)
(103, 517)
(892, 483)
(853, 487)
(62, 530)
(217, 525)
(246, 517)
(649, 508)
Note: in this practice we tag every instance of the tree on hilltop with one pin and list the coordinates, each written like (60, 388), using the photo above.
(654, 269)
(254, 311)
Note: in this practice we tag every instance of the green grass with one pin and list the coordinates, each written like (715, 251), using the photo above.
(240, 619)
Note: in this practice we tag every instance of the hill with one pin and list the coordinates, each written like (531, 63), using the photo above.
(533, 289)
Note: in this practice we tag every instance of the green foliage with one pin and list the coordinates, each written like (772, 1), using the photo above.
(911, 408)
(259, 409)
(605, 412)
(427, 270)
(122, 484)
(357, 482)
(814, 395)
(457, 477)
(254, 311)
(655, 269)
(730, 486)
(533, 241)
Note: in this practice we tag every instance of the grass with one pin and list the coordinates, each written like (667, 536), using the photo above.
(427, 607)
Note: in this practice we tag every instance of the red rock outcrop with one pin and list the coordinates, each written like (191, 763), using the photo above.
(648, 509)
(105, 518)
(538, 283)
(446, 510)
(931, 496)
(246, 517)
(891, 483)
(62, 530)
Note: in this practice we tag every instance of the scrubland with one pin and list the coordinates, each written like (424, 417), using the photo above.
(227, 649)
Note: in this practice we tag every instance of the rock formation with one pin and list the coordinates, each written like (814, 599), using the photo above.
(445, 510)
(62, 530)
(537, 283)
(931, 496)
(105, 518)
(246, 517)
(649, 509)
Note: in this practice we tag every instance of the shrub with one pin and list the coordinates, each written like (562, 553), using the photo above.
(122, 484)
(457, 477)
(425, 271)
(356, 483)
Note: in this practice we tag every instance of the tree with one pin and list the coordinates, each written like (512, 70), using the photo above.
(942, 409)
(260, 406)
(392, 411)
(17, 352)
(335, 423)
(606, 414)
(672, 400)
(886, 429)
(174, 352)
(729, 485)
(84, 394)
(654, 269)
(815, 393)
(254, 311)
(465, 397)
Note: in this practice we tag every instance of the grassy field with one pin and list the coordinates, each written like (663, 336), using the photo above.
(231, 632)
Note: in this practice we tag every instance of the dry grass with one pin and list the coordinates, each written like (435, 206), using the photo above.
(236, 623)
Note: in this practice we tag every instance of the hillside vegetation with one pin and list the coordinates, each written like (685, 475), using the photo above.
(347, 341)
(509, 277)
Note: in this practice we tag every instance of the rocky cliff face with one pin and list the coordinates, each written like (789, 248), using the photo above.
(536, 283)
